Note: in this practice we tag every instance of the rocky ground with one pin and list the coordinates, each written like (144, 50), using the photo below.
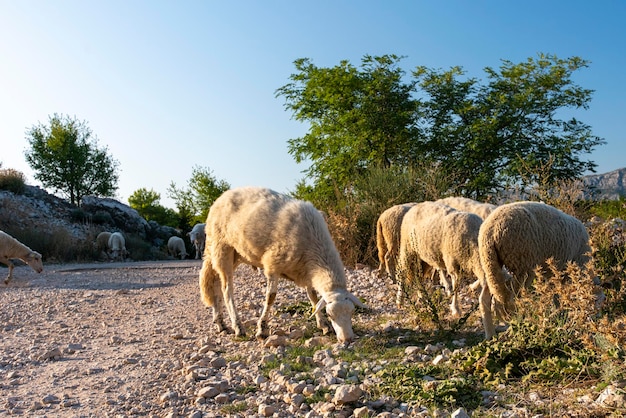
(133, 339)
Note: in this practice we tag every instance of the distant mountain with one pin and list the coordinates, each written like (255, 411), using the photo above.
(610, 186)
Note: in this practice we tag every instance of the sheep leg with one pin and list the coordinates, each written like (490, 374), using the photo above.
(320, 319)
(226, 261)
(10, 275)
(454, 304)
(484, 301)
(218, 316)
(270, 296)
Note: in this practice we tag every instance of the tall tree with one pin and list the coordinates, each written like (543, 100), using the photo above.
(487, 136)
(201, 191)
(66, 158)
(358, 117)
(510, 129)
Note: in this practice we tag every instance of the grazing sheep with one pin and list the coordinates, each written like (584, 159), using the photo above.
(445, 240)
(198, 238)
(465, 204)
(521, 236)
(11, 248)
(102, 241)
(288, 238)
(459, 248)
(117, 246)
(418, 250)
(388, 228)
(176, 247)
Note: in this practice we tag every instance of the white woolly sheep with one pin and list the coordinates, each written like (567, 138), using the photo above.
(198, 238)
(466, 204)
(102, 241)
(288, 238)
(176, 247)
(117, 246)
(440, 237)
(388, 228)
(413, 235)
(10, 248)
(521, 236)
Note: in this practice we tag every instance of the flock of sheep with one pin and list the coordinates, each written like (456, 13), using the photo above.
(497, 248)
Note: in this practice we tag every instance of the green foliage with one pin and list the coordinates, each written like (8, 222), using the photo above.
(195, 200)
(12, 180)
(555, 344)
(407, 383)
(486, 135)
(608, 209)
(66, 157)
(146, 203)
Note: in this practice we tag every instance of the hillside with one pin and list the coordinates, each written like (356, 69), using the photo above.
(610, 186)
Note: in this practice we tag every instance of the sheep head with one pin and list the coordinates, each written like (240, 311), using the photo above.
(33, 259)
(339, 308)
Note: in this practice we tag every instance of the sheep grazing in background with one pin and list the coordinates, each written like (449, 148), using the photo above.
(117, 246)
(440, 237)
(459, 250)
(521, 236)
(388, 228)
(102, 241)
(417, 235)
(176, 247)
(10, 248)
(466, 204)
(198, 238)
(288, 238)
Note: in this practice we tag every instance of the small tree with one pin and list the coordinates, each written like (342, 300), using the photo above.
(202, 190)
(66, 158)
(147, 204)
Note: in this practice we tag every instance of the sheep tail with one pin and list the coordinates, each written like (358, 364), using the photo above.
(208, 281)
(494, 273)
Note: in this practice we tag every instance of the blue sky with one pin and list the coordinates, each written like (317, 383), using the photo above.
(168, 85)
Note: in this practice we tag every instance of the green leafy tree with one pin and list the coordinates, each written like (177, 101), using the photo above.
(66, 158)
(358, 117)
(201, 191)
(508, 131)
(147, 204)
(487, 136)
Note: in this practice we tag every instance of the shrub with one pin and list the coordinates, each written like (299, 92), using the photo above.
(12, 180)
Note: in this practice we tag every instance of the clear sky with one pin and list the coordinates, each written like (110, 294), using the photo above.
(168, 85)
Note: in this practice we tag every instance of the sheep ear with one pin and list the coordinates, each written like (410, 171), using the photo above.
(356, 301)
(320, 304)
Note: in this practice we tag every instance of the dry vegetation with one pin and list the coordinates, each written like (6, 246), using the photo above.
(560, 343)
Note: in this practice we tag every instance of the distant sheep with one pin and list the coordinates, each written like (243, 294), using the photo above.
(465, 204)
(288, 238)
(197, 238)
(117, 246)
(10, 248)
(176, 247)
(102, 241)
(521, 236)
(388, 228)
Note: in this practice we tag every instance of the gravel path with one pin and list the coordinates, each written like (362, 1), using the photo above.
(133, 339)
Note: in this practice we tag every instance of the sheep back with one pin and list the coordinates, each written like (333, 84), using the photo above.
(466, 204)
(284, 236)
(523, 235)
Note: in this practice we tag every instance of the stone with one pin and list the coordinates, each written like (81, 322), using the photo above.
(347, 394)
